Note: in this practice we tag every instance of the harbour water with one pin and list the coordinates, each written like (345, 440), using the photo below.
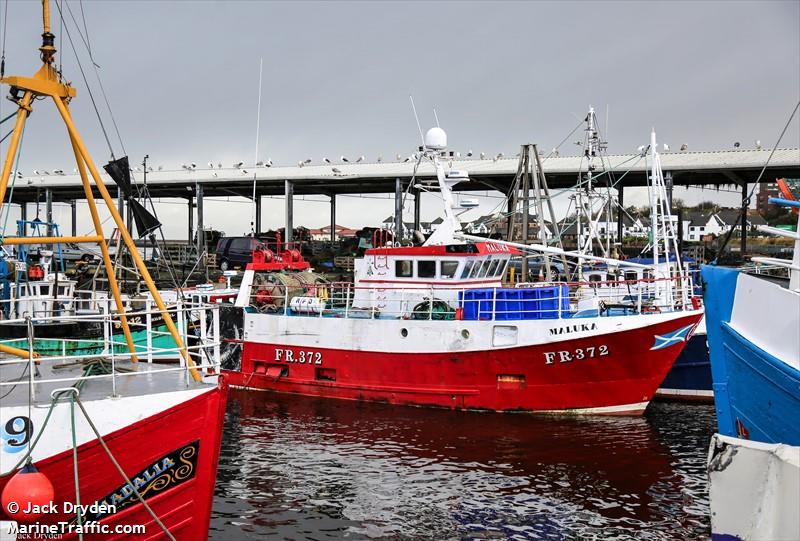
(294, 467)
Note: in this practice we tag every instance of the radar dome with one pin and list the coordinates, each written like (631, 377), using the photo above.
(436, 139)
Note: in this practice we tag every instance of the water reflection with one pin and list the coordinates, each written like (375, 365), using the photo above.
(296, 467)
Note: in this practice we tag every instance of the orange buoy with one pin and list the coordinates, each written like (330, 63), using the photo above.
(25, 494)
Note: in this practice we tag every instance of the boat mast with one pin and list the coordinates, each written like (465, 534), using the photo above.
(47, 83)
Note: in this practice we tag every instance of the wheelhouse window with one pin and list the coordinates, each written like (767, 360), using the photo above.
(631, 276)
(493, 267)
(448, 269)
(467, 269)
(476, 269)
(501, 268)
(426, 269)
(485, 269)
(403, 268)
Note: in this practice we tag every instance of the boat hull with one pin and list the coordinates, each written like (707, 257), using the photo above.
(594, 372)
(171, 455)
(689, 379)
(753, 358)
(754, 490)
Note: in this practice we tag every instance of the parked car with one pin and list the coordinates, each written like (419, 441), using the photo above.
(235, 251)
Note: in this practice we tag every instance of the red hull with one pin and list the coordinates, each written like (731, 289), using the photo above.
(511, 379)
(183, 505)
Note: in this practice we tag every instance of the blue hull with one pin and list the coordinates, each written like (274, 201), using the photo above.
(757, 396)
(690, 376)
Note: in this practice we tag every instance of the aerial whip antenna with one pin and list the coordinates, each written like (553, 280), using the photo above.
(416, 117)
(255, 157)
(436, 117)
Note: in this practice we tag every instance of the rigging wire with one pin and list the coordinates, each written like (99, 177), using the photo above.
(96, 70)
(86, 82)
(746, 201)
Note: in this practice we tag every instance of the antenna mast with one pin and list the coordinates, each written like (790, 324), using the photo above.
(255, 219)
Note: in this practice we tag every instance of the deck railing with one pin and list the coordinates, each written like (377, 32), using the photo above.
(552, 300)
(198, 325)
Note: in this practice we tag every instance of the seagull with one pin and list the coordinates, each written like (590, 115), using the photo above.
(407, 159)
(469, 153)
(259, 163)
(641, 149)
(300, 163)
(74, 169)
(399, 157)
(326, 160)
(483, 155)
(47, 172)
(58, 171)
(184, 166)
(306, 162)
(380, 159)
(458, 154)
(219, 165)
(758, 144)
(554, 152)
(345, 160)
(684, 147)
(666, 147)
(35, 171)
(149, 168)
(238, 165)
(360, 159)
(194, 165)
(244, 171)
(268, 163)
(19, 174)
(336, 171)
(214, 174)
(160, 167)
(211, 165)
(499, 155)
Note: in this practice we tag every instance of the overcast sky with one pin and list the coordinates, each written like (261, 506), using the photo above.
(182, 80)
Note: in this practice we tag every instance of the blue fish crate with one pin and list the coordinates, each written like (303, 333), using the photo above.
(509, 304)
(553, 301)
(476, 303)
(531, 308)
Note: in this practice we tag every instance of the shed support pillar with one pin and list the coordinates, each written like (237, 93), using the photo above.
(201, 241)
(288, 188)
(73, 207)
(258, 214)
(190, 203)
(333, 219)
(620, 213)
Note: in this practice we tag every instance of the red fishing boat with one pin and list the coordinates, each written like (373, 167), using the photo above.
(104, 447)
(433, 325)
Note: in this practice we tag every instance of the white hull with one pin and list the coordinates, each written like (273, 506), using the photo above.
(754, 490)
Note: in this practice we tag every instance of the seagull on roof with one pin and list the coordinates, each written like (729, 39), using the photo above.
(666, 147)
(268, 163)
(398, 157)
(736, 144)
(160, 167)
(469, 153)
(360, 159)
(326, 160)
(307, 161)
(684, 147)
(499, 155)
(379, 159)
(238, 165)
(194, 165)
(35, 171)
(58, 171)
(345, 160)
(483, 155)
(214, 174)
(211, 165)
(758, 144)
(408, 159)
(219, 165)
(336, 171)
